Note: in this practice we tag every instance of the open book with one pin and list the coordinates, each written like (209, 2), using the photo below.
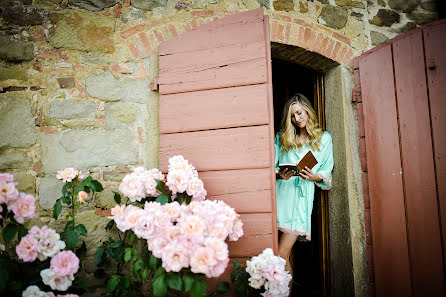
(308, 160)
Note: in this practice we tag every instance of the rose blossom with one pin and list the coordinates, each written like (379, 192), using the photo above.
(65, 263)
(56, 281)
(67, 175)
(144, 227)
(174, 258)
(27, 248)
(237, 231)
(82, 196)
(219, 247)
(201, 260)
(192, 225)
(8, 192)
(131, 216)
(34, 291)
(23, 207)
(6, 177)
(49, 242)
(132, 187)
(195, 188)
(172, 209)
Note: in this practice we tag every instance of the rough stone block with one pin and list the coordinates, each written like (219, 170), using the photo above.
(93, 5)
(14, 72)
(377, 38)
(403, 5)
(50, 190)
(87, 148)
(407, 27)
(432, 6)
(105, 199)
(68, 109)
(385, 17)
(122, 112)
(148, 5)
(284, 5)
(14, 160)
(333, 16)
(66, 82)
(27, 182)
(15, 51)
(350, 3)
(421, 18)
(106, 87)
(71, 27)
(15, 14)
(17, 123)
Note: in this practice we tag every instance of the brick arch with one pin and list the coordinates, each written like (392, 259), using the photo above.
(143, 39)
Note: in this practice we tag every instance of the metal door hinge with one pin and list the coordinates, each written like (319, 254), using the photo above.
(431, 64)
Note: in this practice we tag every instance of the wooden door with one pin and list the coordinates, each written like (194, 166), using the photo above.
(402, 85)
(215, 109)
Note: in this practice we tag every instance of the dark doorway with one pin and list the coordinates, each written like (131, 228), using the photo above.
(309, 258)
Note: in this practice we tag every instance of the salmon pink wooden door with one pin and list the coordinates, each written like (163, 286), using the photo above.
(215, 109)
(403, 96)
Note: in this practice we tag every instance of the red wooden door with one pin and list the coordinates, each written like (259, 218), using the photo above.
(215, 109)
(404, 112)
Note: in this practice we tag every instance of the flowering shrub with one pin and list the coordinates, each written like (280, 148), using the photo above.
(23, 276)
(171, 234)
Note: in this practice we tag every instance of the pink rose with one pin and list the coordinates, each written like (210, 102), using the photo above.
(132, 187)
(6, 177)
(174, 258)
(202, 260)
(67, 175)
(8, 192)
(27, 248)
(34, 291)
(82, 196)
(237, 231)
(23, 207)
(195, 188)
(144, 227)
(65, 263)
(56, 281)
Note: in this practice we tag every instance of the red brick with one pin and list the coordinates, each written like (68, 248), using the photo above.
(103, 212)
(280, 28)
(335, 51)
(329, 48)
(341, 53)
(117, 13)
(37, 166)
(134, 51)
(370, 264)
(300, 37)
(141, 72)
(126, 3)
(348, 56)
(48, 129)
(350, 63)
(365, 189)
(301, 22)
(318, 43)
(194, 24)
(202, 12)
(106, 13)
(287, 33)
(368, 226)
(172, 30)
(46, 53)
(341, 37)
(145, 42)
(285, 18)
(159, 35)
(324, 44)
(132, 31)
(141, 139)
(274, 30)
(105, 67)
(309, 38)
(360, 112)
(363, 153)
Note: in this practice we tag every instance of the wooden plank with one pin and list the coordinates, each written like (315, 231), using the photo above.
(435, 44)
(418, 165)
(224, 149)
(238, 74)
(210, 58)
(391, 259)
(239, 28)
(272, 160)
(218, 108)
(249, 246)
(256, 224)
(246, 190)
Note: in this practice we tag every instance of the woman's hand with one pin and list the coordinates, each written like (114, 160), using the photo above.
(286, 174)
(307, 174)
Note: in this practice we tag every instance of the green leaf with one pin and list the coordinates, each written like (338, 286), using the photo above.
(180, 199)
(159, 286)
(144, 273)
(65, 188)
(223, 287)
(117, 197)
(4, 277)
(160, 271)
(160, 186)
(9, 232)
(118, 254)
(66, 200)
(69, 226)
(188, 199)
(132, 237)
(116, 244)
(112, 283)
(82, 249)
(188, 282)
(81, 230)
(163, 199)
(95, 186)
(70, 238)
(78, 189)
(198, 287)
(128, 254)
(110, 225)
(236, 264)
(87, 180)
(98, 255)
(153, 262)
(174, 281)
(21, 231)
(57, 209)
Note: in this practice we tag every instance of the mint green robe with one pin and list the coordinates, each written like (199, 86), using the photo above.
(295, 196)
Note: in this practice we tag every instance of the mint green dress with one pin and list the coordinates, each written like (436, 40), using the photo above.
(295, 196)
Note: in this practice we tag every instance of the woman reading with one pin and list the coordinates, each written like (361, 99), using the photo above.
(299, 134)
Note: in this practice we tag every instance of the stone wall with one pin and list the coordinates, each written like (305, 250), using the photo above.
(75, 77)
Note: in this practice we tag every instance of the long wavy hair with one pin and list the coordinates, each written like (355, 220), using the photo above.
(289, 136)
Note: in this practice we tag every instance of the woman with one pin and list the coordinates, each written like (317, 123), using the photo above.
(300, 133)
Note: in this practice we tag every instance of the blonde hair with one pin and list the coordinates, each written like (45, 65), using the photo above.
(289, 137)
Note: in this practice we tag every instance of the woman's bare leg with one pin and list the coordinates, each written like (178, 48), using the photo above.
(286, 243)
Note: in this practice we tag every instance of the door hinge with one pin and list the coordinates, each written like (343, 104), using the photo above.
(431, 64)
(154, 86)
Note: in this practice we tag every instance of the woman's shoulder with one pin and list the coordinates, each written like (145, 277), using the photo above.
(326, 137)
